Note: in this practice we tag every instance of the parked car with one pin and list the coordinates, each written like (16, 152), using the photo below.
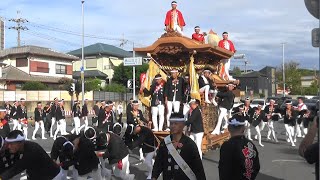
(294, 103)
(311, 104)
(315, 97)
(255, 103)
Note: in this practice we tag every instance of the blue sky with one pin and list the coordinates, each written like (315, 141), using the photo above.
(256, 27)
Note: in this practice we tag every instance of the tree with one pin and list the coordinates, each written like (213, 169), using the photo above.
(114, 87)
(313, 89)
(34, 85)
(89, 85)
(292, 77)
(123, 73)
(236, 71)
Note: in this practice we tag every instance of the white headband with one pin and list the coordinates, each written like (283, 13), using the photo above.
(132, 127)
(196, 28)
(68, 142)
(174, 3)
(18, 139)
(117, 124)
(88, 129)
(3, 110)
(192, 100)
(177, 119)
(174, 71)
(158, 78)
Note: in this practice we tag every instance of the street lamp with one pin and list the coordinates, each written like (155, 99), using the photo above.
(283, 72)
(82, 53)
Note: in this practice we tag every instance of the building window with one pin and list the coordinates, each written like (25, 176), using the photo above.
(22, 62)
(91, 63)
(106, 67)
(61, 69)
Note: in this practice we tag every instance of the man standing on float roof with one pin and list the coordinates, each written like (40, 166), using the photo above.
(225, 43)
(174, 20)
(197, 35)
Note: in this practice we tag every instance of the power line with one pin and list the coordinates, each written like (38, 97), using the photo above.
(19, 21)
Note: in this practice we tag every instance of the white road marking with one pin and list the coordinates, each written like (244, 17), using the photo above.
(287, 160)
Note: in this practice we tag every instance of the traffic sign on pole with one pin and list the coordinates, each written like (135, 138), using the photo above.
(136, 61)
(313, 7)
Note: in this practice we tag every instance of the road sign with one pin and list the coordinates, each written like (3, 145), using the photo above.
(313, 7)
(315, 37)
(132, 61)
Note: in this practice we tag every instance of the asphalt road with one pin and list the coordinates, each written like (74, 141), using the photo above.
(279, 161)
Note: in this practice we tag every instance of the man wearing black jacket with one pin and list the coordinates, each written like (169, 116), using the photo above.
(135, 117)
(106, 118)
(157, 102)
(143, 137)
(195, 121)
(76, 114)
(239, 157)
(53, 110)
(22, 116)
(205, 85)
(174, 92)
(7, 160)
(117, 153)
(33, 159)
(39, 115)
(61, 120)
(84, 114)
(14, 116)
(225, 105)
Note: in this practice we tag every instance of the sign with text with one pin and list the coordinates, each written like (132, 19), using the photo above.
(315, 37)
(132, 61)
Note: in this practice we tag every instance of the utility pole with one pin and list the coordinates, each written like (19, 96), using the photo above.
(19, 21)
(82, 53)
(283, 71)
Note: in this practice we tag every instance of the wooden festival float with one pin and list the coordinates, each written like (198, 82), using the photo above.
(172, 50)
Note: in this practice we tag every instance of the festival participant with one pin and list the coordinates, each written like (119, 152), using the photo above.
(157, 101)
(195, 121)
(117, 154)
(273, 114)
(301, 106)
(62, 154)
(129, 107)
(174, 93)
(107, 119)
(7, 159)
(174, 19)
(4, 124)
(61, 120)
(257, 116)
(225, 43)
(306, 116)
(8, 107)
(143, 137)
(34, 159)
(205, 85)
(225, 105)
(85, 159)
(76, 113)
(198, 36)
(239, 157)
(84, 114)
(53, 109)
(96, 110)
(38, 118)
(289, 119)
(245, 110)
(178, 156)
(22, 116)
(136, 117)
(120, 111)
(14, 116)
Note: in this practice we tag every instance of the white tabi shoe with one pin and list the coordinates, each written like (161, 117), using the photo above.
(43, 138)
(256, 137)
(33, 138)
(261, 145)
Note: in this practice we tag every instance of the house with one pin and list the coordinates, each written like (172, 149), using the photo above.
(34, 63)
(306, 81)
(99, 61)
(254, 83)
(270, 72)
